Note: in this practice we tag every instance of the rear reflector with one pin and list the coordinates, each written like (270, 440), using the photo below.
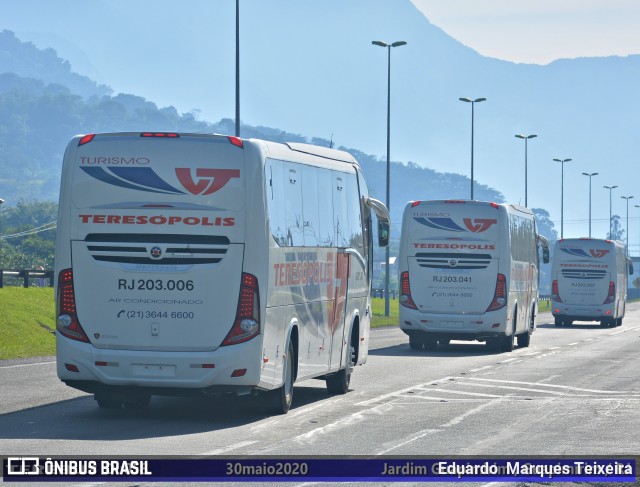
(236, 141)
(86, 139)
(161, 135)
(71, 368)
(238, 372)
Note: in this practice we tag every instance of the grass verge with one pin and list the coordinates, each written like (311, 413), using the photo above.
(27, 322)
(377, 313)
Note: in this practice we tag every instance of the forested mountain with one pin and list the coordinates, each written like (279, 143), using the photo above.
(40, 112)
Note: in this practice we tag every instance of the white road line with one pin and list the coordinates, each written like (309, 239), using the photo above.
(25, 365)
(420, 434)
(222, 451)
(528, 389)
(508, 360)
(459, 419)
(554, 348)
(574, 343)
(467, 393)
(558, 386)
(401, 391)
(482, 368)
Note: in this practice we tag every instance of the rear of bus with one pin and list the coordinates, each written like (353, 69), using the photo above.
(452, 286)
(153, 294)
(584, 281)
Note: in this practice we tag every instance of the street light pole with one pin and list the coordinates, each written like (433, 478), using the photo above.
(237, 68)
(387, 266)
(526, 139)
(638, 206)
(473, 102)
(1, 201)
(562, 161)
(610, 188)
(590, 176)
(627, 230)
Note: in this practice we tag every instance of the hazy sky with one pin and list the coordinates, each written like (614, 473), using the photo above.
(539, 31)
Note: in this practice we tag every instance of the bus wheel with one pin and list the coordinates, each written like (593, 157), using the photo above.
(558, 322)
(619, 323)
(524, 339)
(339, 383)
(107, 401)
(416, 342)
(283, 396)
(493, 344)
(507, 341)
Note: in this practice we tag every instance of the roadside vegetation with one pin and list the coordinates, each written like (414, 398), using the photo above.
(27, 323)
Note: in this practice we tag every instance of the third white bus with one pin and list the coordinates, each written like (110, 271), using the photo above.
(468, 270)
(589, 281)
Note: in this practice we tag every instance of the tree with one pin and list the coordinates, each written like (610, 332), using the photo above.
(545, 225)
(617, 233)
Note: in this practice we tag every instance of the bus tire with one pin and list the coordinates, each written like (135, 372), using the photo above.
(416, 342)
(507, 341)
(619, 321)
(339, 382)
(493, 344)
(558, 322)
(282, 397)
(107, 401)
(524, 339)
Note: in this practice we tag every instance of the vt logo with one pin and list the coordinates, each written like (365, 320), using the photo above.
(598, 253)
(210, 180)
(479, 225)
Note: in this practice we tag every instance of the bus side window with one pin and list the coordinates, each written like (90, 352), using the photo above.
(353, 209)
(340, 212)
(274, 180)
(310, 207)
(293, 205)
(326, 230)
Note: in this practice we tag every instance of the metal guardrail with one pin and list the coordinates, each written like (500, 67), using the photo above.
(379, 293)
(45, 278)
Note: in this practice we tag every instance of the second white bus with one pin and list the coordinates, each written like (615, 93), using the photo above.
(468, 270)
(589, 281)
(199, 263)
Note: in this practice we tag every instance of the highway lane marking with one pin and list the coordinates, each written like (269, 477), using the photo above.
(574, 343)
(417, 436)
(482, 368)
(25, 365)
(558, 386)
(236, 446)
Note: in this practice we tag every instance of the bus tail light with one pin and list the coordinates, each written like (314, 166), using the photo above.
(67, 323)
(405, 292)
(555, 295)
(247, 322)
(500, 296)
(611, 297)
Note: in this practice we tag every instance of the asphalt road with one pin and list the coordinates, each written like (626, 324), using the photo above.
(573, 391)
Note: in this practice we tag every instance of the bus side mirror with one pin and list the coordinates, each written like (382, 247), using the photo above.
(630, 268)
(383, 233)
(545, 255)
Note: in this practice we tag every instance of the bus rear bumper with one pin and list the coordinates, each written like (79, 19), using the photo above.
(226, 369)
(454, 327)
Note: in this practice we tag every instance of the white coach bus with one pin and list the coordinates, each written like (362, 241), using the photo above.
(468, 270)
(193, 263)
(589, 281)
